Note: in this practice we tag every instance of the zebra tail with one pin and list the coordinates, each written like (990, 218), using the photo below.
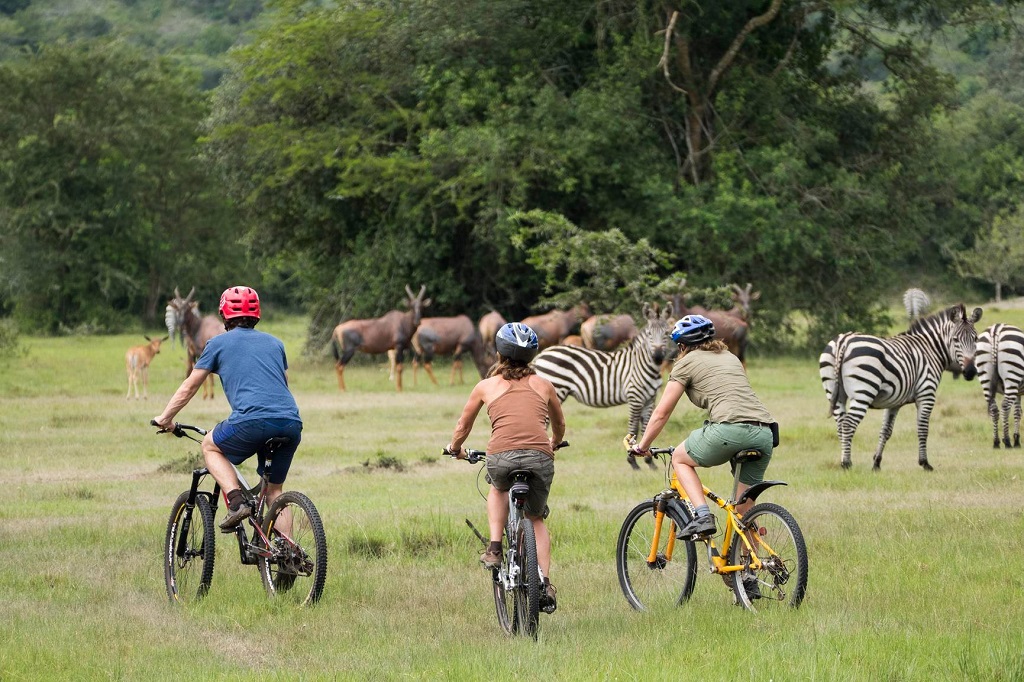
(839, 392)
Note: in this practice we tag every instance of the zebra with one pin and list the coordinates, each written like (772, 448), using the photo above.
(916, 303)
(1000, 361)
(631, 374)
(870, 372)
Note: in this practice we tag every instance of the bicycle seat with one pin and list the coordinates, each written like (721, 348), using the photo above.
(750, 455)
(274, 443)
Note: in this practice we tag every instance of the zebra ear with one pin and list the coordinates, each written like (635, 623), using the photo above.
(976, 315)
(666, 314)
(647, 310)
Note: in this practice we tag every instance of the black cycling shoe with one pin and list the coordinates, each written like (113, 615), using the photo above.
(548, 603)
(697, 529)
(751, 587)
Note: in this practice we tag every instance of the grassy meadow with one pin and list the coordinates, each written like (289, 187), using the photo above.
(913, 575)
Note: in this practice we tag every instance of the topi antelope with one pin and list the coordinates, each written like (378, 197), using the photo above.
(554, 326)
(488, 327)
(136, 362)
(607, 332)
(393, 330)
(197, 331)
(447, 336)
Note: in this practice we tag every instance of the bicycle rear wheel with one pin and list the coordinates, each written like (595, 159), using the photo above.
(527, 593)
(189, 550)
(297, 569)
(669, 579)
(779, 544)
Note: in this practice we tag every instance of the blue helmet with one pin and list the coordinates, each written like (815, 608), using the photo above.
(693, 330)
(516, 341)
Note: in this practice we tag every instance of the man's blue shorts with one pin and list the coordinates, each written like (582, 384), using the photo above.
(242, 440)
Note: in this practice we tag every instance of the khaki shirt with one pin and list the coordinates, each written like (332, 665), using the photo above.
(717, 383)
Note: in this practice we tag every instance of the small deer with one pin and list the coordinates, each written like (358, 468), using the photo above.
(393, 330)
(136, 362)
(554, 326)
(607, 332)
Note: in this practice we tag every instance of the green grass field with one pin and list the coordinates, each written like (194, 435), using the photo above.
(913, 576)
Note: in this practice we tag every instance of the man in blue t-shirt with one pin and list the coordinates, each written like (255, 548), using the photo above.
(253, 369)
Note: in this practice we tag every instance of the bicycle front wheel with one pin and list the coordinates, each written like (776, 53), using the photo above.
(669, 578)
(779, 544)
(297, 568)
(189, 550)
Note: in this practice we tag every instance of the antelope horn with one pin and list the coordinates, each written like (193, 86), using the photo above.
(423, 290)
(177, 294)
(409, 291)
(190, 293)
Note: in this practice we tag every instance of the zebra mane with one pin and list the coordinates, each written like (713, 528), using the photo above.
(921, 323)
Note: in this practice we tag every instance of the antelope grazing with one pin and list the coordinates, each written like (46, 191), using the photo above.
(391, 331)
(488, 327)
(197, 331)
(607, 332)
(447, 336)
(136, 362)
(554, 326)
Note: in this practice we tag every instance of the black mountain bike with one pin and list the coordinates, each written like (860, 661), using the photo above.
(288, 542)
(518, 581)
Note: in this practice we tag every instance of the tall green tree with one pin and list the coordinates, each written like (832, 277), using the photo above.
(106, 203)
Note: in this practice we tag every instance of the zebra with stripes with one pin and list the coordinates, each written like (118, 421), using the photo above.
(631, 374)
(859, 372)
(1000, 361)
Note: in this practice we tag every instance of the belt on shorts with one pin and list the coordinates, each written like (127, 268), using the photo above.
(756, 424)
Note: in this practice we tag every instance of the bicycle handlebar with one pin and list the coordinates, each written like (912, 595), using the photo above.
(179, 429)
(474, 456)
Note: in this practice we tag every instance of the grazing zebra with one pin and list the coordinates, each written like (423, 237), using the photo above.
(870, 372)
(1000, 361)
(916, 303)
(631, 374)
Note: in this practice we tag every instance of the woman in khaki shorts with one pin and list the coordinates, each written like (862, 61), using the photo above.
(713, 379)
(519, 405)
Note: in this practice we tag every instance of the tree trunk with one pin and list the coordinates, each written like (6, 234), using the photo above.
(999, 292)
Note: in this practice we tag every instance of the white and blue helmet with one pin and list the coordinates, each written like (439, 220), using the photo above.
(693, 330)
(516, 341)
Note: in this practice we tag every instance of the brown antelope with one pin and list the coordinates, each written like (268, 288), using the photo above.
(573, 340)
(731, 326)
(607, 332)
(488, 327)
(136, 362)
(447, 336)
(197, 331)
(743, 300)
(391, 331)
(554, 326)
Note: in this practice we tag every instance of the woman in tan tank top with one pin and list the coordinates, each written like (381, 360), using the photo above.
(519, 404)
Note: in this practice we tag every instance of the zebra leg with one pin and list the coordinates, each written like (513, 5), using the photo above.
(846, 424)
(888, 419)
(924, 413)
(1016, 422)
(1007, 404)
(993, 413)
(635, 418)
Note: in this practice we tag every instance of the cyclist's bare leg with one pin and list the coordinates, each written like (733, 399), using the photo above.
(218, 465)
(284, 519)
(686, 471)
(497, 513)
(543, 537)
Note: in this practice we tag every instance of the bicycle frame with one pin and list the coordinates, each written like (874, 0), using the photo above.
(516, 501)
(734, 526)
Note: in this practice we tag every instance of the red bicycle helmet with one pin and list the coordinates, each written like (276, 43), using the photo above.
(239, 302)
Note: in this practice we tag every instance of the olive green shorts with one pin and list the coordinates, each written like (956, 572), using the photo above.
(715, 444)
(499, 474)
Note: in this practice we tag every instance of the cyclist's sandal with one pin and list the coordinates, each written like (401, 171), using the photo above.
(491, 560)
(698, 528)
(235, 517)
